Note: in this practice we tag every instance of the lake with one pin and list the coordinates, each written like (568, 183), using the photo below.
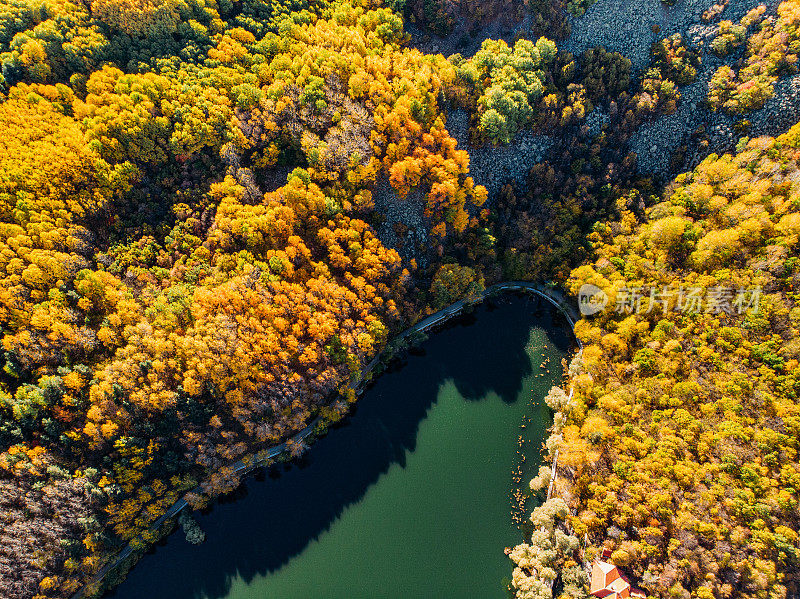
(411, 496)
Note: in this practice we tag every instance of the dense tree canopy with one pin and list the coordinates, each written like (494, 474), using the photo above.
(162, 315)
(678, 450)
(197, 258)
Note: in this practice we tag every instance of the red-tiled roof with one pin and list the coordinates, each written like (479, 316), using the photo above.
(608, 582)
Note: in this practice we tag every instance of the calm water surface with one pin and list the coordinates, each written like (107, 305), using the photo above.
(410, 497)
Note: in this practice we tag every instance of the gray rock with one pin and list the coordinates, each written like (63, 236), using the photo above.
(671, 131)
(492, 166)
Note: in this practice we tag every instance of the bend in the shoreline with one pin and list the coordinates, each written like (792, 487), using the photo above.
(555, 297)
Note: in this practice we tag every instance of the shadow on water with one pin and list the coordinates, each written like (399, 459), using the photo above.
(273, 519)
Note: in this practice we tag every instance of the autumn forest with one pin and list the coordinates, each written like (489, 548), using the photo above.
(196, 262)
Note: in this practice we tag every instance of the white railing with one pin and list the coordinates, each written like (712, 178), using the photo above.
(422, 326)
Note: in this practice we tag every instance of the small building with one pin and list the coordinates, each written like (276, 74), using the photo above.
(609, 583)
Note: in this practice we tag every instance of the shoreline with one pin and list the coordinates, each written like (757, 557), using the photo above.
(245, 466)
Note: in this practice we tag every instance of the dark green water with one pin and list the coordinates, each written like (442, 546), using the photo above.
(410, 497)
